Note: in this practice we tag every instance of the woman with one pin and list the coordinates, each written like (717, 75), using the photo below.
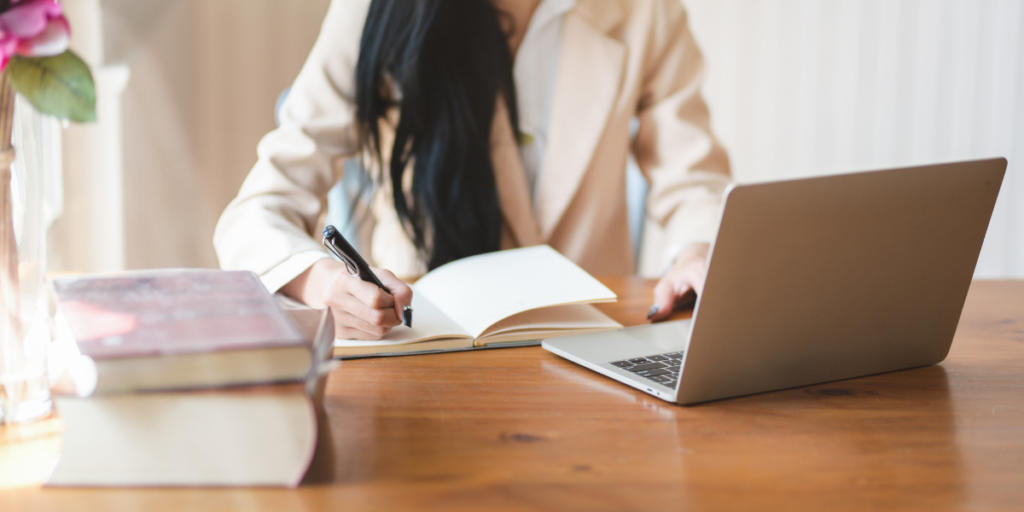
(487, 125)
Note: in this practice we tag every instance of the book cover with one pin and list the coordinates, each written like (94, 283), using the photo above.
(172, 312)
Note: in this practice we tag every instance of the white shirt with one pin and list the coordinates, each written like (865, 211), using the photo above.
(535, 71)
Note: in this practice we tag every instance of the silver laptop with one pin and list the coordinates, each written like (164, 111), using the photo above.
(815, 280)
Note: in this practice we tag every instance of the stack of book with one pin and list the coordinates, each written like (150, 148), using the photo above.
(201, 379)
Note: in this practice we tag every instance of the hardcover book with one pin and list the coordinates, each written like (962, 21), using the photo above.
(178, 329)
(260, 435)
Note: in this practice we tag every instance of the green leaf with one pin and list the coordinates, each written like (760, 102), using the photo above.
(61, 85)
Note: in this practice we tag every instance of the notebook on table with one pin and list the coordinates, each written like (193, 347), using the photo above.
(500, 299)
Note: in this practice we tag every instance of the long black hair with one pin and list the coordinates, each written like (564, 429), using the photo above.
(449, 63)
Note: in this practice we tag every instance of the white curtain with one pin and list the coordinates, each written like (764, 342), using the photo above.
(811, 87)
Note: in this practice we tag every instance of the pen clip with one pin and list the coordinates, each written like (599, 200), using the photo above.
(350, 265)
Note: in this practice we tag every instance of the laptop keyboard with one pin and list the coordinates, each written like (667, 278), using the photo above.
(660, 368)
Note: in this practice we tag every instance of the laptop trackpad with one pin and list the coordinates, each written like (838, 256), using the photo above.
(666, 336)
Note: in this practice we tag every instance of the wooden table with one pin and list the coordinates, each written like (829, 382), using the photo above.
(522, 429)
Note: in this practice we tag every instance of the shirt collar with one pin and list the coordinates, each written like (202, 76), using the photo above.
(548, 11)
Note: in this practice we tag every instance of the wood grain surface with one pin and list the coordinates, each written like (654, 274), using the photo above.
(521, 429)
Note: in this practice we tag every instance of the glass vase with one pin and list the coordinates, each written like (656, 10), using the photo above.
(25, 325)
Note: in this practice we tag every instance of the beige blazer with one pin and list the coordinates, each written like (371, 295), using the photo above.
(621, 59)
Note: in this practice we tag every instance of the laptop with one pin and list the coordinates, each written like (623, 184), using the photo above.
(815, 280)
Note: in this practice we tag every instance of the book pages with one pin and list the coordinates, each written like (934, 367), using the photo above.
(429, 323)
(240, 437)
(572, 317)
(479, 291)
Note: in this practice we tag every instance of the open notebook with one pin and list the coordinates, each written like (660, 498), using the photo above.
(507, 298)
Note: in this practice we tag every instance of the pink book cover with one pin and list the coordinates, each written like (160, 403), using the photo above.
(153, 313)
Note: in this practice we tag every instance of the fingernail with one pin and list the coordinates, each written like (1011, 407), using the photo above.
(653, 311)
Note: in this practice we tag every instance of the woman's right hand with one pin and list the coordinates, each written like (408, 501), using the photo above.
(362, 311)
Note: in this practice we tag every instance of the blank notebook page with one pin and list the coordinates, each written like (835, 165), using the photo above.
(479, 291)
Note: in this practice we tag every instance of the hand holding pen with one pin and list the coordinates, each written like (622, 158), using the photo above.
(367, 302)
(357, 266)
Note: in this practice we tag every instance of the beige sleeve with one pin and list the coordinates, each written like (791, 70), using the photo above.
(687, 168)
(282, 199)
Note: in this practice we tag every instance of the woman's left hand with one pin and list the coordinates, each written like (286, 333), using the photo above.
(681, 283)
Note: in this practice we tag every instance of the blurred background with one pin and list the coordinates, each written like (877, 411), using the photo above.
(186, 88)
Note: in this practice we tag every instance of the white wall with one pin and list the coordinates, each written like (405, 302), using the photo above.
(201, 77)
(796, 87)
(810, 87)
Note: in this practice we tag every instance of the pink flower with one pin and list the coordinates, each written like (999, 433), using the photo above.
(33, 28)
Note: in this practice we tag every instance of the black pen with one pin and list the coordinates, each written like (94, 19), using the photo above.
(356, 265)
